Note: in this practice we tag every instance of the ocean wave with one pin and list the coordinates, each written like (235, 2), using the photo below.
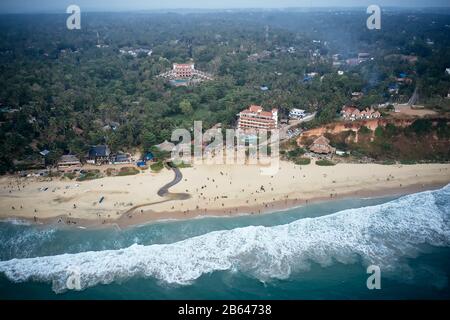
(23, 241)
(382, 235)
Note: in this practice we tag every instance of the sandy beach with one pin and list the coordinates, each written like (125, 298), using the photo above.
(205, 190)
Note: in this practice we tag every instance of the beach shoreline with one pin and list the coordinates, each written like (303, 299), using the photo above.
(243, 191)
(275, 207)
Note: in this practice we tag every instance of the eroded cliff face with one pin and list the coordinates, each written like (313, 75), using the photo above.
(354, 126)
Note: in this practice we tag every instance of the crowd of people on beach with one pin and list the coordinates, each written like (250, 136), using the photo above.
(210, 199)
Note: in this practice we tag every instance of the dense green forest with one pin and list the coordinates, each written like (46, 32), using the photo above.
(64, 90)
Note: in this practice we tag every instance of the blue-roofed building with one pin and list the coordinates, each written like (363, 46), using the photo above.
(141, 164)
(148, 156)
(307, 78)
(121, 158)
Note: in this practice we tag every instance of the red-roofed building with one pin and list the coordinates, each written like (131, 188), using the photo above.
(256, 118)
(322, 146)
(185, 70)
(352, 113)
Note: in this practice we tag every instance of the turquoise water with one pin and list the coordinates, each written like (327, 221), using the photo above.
(179, 82)
(319, 251)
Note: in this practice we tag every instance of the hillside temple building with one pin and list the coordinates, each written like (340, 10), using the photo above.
(185, 74)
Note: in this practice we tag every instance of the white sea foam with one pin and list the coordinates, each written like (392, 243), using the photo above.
(380, 235)
(25, 243)
(16, 221)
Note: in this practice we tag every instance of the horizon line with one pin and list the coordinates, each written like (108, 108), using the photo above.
(169, 10)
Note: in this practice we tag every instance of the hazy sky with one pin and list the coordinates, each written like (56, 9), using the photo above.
(8, 6)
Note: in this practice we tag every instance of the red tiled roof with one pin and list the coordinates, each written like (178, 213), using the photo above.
(257, 111)
(321, 145)
(255, 108)
(349, 109)
(321, 140)
(266, 113)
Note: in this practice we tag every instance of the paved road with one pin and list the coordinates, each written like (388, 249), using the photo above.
(414, 98)
(294, 123)
(163, 191)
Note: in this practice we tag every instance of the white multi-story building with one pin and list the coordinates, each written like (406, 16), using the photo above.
(256, 118)
(297, 113)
